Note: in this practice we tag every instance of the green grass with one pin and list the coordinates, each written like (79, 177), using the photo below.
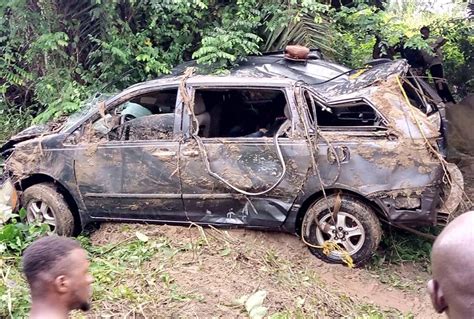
(151, 274)
(400, 249)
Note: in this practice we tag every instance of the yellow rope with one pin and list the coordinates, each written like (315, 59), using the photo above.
(442, 161)
(328, 247)
(357, 74)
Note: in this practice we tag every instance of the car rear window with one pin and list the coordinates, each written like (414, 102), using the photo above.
(357, 114)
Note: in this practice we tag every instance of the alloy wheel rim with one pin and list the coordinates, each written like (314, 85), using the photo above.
(37, 211)
(348, 233)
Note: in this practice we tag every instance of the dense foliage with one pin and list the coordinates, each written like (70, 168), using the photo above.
(55, 53)
(356, 28)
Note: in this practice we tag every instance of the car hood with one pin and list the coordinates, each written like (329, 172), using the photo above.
(27, 134)
(60, 125)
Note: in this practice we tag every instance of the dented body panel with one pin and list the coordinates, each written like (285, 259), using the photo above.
(166, 179)
(248, 164)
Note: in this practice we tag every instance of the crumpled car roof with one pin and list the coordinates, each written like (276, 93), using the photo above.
(326, 77)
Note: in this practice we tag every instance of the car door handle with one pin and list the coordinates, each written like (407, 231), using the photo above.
(191, 153)
(163, 153)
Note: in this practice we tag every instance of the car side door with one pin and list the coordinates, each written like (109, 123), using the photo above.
(231, 175)
(130, 174)
(353, 139)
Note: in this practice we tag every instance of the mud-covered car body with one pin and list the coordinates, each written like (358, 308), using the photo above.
(171, 176)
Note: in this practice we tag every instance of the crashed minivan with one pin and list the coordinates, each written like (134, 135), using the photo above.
(306, 147)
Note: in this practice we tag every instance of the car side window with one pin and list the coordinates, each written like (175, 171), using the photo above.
(240, 112)
(148, 116)
(356, 115)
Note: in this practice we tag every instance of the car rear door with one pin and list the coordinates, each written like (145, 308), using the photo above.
(242, 180)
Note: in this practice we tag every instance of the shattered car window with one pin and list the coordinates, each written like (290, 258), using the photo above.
(240, 112)
(153, 127)
(90, 106)
(347, 115)
(355, 114)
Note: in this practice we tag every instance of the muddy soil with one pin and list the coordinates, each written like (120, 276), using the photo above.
(219, 279)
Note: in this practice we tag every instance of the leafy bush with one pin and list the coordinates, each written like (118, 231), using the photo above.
(17, 235)
(357, 26)
(55, 54)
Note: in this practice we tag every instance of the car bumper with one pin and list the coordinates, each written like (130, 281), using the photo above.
(453, 195)
(431, 205)
(8, 200)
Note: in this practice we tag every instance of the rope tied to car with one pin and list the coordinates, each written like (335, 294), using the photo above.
(430, 147)
(327, 246)
(188, 102)
(330, 246)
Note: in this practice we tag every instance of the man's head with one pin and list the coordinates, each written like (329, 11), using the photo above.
(57, 268)
(452, 263)
(425, 32)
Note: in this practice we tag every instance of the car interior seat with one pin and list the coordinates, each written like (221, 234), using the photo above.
(202, 115)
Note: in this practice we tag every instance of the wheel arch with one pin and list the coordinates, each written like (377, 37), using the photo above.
(318, 195)
(40, 178)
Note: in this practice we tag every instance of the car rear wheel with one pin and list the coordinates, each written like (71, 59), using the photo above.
(44, 204)
(356, 229)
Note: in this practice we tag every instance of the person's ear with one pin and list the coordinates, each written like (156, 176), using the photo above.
(437, 296)
(61, 283)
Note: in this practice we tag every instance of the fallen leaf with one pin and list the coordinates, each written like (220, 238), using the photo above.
(141, 236)
(258, 312)
(255, 300)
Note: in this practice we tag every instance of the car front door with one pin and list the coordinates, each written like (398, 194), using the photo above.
(132, 173)
(241, 180)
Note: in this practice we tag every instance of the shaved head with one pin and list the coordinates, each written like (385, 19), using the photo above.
(452, 259)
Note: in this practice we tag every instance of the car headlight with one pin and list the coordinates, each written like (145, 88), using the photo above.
(8, 200)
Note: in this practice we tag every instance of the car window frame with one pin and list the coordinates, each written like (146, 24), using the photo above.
(192, 87)
(350, 129)
(127, 95)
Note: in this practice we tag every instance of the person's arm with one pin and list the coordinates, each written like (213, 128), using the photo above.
(439, 43)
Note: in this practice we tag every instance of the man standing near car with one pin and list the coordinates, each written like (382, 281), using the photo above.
(434, 61)
(57, 271)
(452, 263)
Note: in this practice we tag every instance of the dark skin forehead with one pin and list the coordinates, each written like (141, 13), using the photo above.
(76, 262)
(453, 255)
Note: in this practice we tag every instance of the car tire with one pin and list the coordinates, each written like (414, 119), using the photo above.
(354, 217)
(44, 203)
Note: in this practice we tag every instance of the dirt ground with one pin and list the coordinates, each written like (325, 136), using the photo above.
(223, 265)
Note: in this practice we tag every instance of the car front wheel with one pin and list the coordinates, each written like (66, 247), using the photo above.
(355, 229)
(44, 204)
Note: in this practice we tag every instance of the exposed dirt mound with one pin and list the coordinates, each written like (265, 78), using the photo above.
(200, 273)
(460, 125)
(219, 266)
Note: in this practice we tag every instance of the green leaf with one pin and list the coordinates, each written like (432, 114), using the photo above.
(225, 252)
(22, 213)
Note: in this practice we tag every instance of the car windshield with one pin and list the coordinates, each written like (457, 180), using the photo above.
(89, 107)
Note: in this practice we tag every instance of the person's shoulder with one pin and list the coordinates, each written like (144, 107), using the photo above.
(45, 315)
